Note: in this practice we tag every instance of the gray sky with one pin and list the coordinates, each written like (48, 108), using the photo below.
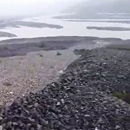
(36, 7)
(26, 7)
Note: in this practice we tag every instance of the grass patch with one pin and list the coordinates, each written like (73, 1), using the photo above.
(124, 96)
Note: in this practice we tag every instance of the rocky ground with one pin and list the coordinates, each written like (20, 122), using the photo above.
(80, 100)
(20, 75)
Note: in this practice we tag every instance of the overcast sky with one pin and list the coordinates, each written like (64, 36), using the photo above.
(36, 7)
(26, 7)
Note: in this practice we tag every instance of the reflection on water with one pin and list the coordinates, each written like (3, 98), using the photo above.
(70, 29)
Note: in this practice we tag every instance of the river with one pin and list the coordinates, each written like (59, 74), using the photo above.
(69, 29)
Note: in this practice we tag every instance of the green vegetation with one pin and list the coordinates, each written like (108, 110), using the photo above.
(124, 96)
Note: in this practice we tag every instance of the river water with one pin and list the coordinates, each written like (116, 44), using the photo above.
(69, 29)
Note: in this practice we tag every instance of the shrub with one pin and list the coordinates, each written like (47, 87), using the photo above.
(40, 55)
(127, 98)
(119, 95)
(124, 96)
(42, 45)
(58, 54)
(79, 52)
(7, 84)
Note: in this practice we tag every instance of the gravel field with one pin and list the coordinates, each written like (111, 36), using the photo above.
(80, 100)
(20, 75)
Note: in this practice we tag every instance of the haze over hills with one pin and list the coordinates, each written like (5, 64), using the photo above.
(99, 9)
(82, 8)
(21, 8)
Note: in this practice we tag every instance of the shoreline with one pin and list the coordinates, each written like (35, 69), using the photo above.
(23, 46)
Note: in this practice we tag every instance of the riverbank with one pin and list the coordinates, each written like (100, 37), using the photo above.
(81, 99)
(23, 46)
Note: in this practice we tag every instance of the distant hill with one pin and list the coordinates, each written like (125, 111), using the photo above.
(101, 9)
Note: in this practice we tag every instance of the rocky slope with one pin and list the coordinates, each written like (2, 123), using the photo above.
(80, 100)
